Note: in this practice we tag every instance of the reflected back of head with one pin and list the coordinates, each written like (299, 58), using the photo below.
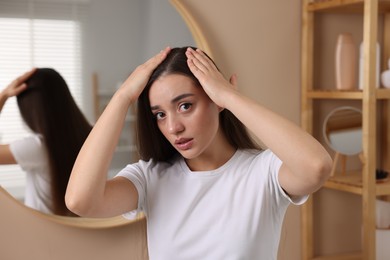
(48, 109)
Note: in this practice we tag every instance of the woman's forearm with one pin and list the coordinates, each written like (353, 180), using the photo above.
(89, 174)
(3, 99)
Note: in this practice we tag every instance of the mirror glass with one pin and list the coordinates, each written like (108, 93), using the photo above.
(342, 130)
(114, 38)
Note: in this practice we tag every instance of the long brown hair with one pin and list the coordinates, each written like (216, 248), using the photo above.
(48, 109)
(151, 142)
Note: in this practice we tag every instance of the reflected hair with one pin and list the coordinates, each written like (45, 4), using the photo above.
(48, 109)
(151, 143)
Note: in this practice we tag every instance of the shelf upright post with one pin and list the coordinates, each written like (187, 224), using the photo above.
(306, 120)
(385, 109)
(369, 128)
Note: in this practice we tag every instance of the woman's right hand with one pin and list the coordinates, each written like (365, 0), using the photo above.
(18, 85)
(136, 82)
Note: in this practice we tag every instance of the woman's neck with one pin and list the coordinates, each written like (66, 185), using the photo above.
(216, 155)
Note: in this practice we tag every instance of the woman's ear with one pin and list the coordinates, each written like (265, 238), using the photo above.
(220, 109)
(233, 80)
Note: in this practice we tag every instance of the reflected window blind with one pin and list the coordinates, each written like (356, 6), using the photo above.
(37, 34)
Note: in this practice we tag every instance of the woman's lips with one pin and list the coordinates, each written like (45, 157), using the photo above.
(184, 143)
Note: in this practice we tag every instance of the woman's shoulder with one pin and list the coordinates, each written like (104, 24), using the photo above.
(251, 153)
(255, 155)
(30, 151)
(31, 142)
(152, 165)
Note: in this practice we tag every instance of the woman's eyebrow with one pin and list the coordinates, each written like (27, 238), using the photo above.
(181, 97)
(174, 100)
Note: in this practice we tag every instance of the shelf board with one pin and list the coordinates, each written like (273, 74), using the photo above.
(352, 182)
(345, 6)
(347, 256)
(381, 93)
(335, 94)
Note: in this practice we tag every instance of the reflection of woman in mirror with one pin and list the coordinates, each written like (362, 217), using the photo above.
(206, 190)
(58, 132)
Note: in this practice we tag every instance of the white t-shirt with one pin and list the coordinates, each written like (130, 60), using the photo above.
(31, 154)
(232, 213)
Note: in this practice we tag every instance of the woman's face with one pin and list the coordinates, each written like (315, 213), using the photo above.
(185, 115)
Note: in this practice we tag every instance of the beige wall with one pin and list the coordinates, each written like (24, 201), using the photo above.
(260, 41)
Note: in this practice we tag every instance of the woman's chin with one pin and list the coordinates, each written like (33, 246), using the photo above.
(188, 154)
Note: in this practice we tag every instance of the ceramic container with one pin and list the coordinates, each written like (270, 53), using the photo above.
(345, 62)
(385, 76)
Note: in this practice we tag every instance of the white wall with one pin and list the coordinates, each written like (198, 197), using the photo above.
(121, 34)
(163, 27)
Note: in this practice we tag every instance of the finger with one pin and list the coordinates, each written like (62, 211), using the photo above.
(25, 76)
(21, 88)
(192, 66)
(199, 65)
(148, 66)
(204, 59)
(158, 58)
(16, 89)
(196, 67)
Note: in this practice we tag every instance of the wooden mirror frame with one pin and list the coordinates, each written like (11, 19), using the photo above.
(81, 222)
(101, 223)
(193, 26)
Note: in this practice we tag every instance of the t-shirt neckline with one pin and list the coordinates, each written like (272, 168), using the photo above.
(214, 172)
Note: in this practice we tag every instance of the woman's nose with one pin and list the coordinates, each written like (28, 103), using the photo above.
(175, 125)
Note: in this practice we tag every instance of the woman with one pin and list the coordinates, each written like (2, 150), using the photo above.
(58, 131)
(206, 189)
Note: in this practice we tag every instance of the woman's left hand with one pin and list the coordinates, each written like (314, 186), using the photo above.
(211, 79)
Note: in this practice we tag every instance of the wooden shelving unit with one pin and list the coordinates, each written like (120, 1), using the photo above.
(375, 106)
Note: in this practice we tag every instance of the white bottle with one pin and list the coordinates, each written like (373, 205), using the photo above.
(361, 62)
(385, 76)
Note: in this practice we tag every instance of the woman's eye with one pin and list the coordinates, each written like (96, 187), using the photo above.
(159, 115)
(185, 106)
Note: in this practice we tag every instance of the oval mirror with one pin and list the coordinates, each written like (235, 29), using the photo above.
(82, 21)
(342, 130)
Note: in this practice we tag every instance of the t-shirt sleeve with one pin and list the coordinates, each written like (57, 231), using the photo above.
(135, 174)
(29, 152)
(275, 163)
